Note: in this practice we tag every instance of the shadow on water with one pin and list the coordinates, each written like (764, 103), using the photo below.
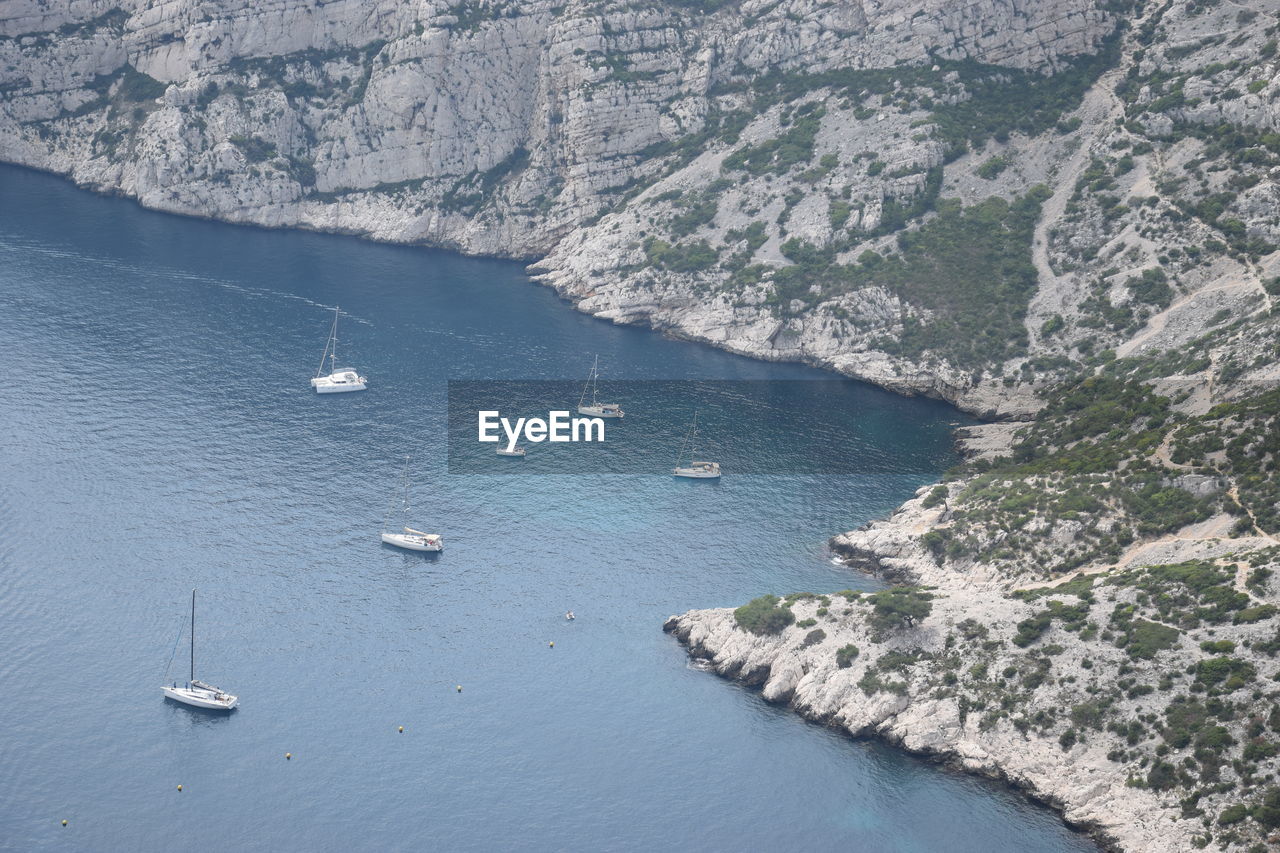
(199, 716)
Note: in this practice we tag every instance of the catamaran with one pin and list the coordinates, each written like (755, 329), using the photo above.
(339, 378)
(597, 409)
(410, 539)
(695, 470)
(197, 693)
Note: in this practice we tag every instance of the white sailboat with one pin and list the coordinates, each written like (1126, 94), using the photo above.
(410, 539)
(597, 409)
(338, 379)
(197, 693)
(696, 469)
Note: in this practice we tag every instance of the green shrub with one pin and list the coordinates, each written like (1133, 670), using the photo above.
(1233, 814)
(1162, 776)
(845, 656)
(993, 167)
(1151, 287)
(1213, 671)
(137, 87)
(1032, 628)
(256, 149)
(779, 155)
(1144, 639)
(1259, 750)
(1267, 812)
(681, 257)
(1255, 614)
(814, 637)
(1052, 325)
(763, 616)
(698, 211)
(838, 211)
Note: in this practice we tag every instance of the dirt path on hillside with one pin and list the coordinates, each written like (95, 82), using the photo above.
(1098, 111)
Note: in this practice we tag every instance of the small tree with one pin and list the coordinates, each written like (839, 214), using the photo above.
(898, 608)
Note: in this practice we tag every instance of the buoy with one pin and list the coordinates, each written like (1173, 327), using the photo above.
(459, 688)
(551, 644)
(288, 755)
(64, 823)
(179, 787)
(402, 730)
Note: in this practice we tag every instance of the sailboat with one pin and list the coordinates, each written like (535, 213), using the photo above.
(410, 539)
(695, 470)
(339, 378)
(198, 693)
(597, 409)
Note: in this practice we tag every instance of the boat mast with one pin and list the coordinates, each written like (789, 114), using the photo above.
(590, 384)
(404, 504)
(688, 440)
(193, 635)
(333, 342)
(330, 346)
(595, 381)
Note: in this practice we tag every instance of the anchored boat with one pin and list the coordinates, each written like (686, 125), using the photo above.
(696, 469)
(597, 409)
(338, 379)
(197, 693)
(410, 539)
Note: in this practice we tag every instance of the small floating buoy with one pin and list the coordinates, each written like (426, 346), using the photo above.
(551, 645)
(402, 730)
(459, 688)
(179, 787)
(288, 755)
(64, 823)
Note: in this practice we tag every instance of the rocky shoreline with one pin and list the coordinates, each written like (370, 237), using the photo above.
(991, 682)
(707, 640)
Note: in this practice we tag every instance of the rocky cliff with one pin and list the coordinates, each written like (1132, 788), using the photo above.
(940, 198)
(594, 133)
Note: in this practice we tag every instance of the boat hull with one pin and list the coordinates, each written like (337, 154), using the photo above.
(201, 698)
(518, 452)
(413, 543)
(601, 412)
(695, 473)
(340, 382)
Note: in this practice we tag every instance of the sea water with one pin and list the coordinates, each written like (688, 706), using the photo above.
(158, 434)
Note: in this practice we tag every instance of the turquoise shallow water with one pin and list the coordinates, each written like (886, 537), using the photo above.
(159, 435)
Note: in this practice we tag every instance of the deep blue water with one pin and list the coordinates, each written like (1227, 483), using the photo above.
(157, 433)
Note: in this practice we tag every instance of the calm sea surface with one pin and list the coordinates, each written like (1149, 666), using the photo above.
(157, 433)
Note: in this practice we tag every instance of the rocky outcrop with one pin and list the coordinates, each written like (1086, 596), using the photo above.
(1080, 782)
(993, 685)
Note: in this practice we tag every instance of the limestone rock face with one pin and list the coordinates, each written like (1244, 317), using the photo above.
(1081, 781)
(694, 170)
(486, 129)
